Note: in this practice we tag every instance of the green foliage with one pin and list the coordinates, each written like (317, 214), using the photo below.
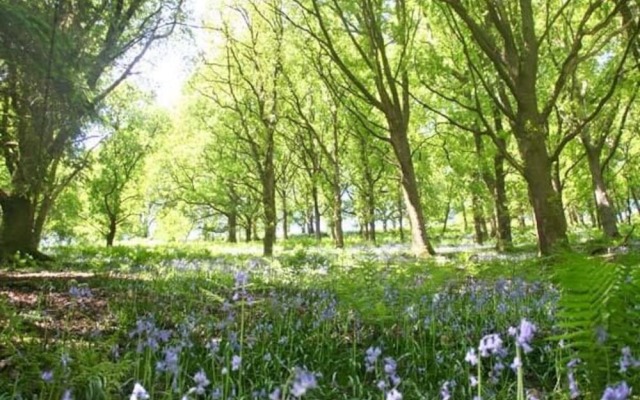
(596, 316)
(309, 308)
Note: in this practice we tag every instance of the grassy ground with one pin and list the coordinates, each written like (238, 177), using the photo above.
(367, 323)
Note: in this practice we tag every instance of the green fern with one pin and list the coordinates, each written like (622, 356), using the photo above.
(597, 295)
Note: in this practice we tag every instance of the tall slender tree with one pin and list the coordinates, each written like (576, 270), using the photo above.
(371, 44)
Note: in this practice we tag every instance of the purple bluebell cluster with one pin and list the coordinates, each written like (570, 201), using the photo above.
(490, 345)
(302, 382)
(214, 352)
(627, 361)
(621, 391)
(371, 358)
(139, 392)
(80, 292)
(574, 391)
(524, 334)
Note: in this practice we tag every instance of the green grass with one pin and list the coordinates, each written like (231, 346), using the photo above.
(311, 307)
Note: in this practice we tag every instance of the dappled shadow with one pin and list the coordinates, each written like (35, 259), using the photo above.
(59, 304)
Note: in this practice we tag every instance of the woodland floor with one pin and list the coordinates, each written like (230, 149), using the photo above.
(92, 319)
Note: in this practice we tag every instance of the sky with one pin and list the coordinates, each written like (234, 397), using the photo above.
(168, 65)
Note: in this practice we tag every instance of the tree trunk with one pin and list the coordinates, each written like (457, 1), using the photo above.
(232, 220)
(497, 187)
(316, 212)
(111, 233)
(636, 200)
(493, 228)
(41, 218)
(478, 219)
(419, 238)
(371, 216)
(604, 205)
(16, 234)
(247, 231)
(337, 216)
(551, 225)
(465, 223)
(504, 239)
(400, 216)
(285, 218)
(593, 218)
(310, 224)
(445, 220)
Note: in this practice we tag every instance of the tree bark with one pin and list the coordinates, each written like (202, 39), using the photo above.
(419, 239)
(504, 239)
(445, 218)
(111, 233)
(371, 216)
(285, 218)
(316, 212)
(337, 216)
(400, 216)
(636, 200)
(269, 205)
(551, 225)
(17, 225)
(232, 221)
(248, 231)
(604, 206)
(478, 219)
(496, 184)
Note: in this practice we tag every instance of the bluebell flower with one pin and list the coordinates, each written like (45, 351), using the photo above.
(275, 395)
(47, 376)
(371, 358)
(524, 334)
(490, 344)
(66, 395)
(236, 362)
(242, 279)
(213, 345)
(445, 391)
(201, 381)
(390, 366)
(303, 381)
(627, 360)
(517, 363)
(471, 357)
(80, 292)
(621, 391)
(394, 394)
(139, 393)
(574, 392)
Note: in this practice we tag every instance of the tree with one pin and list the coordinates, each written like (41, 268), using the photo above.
(120, 158)
(59, 61)
(248, 88)
(527, 71)
(371, 44)
(317, 115)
